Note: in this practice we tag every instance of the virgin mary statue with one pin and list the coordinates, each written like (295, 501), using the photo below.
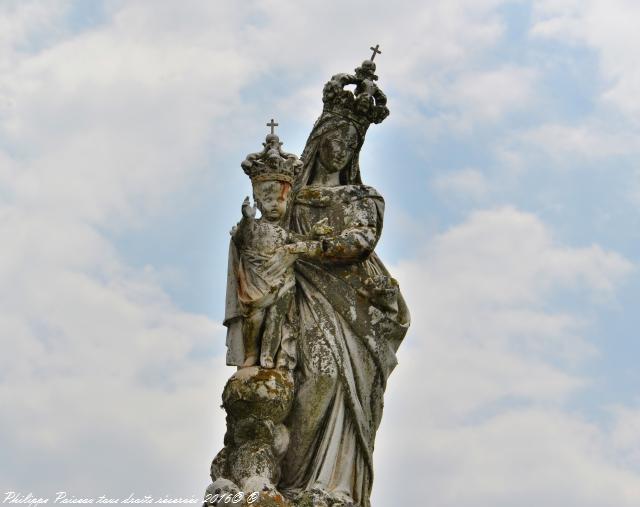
(351, 313)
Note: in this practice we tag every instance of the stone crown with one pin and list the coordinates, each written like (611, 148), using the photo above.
(366, 105)
(271, 164)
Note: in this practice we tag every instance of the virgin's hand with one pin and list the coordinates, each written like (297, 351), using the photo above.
(321, 228)
(283, 258)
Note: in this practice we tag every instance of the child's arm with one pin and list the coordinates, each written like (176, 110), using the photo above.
(246, 223)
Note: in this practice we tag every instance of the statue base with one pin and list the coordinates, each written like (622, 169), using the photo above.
(257, 400)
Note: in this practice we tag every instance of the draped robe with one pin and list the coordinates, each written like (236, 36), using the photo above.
(352, 319)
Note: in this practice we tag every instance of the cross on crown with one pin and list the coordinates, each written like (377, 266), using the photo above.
(272, 124)
(375, 50)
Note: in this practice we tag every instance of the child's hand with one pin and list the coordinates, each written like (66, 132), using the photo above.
(248, 211)
(322, 228)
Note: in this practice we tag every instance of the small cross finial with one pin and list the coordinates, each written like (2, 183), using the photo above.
(375, 51)
(272, 124)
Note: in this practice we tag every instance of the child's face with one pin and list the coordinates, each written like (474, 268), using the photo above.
(271, 197)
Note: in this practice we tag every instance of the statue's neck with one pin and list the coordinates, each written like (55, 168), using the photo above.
(324, 178)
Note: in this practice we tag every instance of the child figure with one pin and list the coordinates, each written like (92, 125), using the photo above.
(266, 298)
(259, 320)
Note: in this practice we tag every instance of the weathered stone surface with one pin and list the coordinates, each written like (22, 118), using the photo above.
(302, 434)
(265, 394)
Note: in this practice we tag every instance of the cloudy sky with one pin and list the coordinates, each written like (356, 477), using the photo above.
(510, 167)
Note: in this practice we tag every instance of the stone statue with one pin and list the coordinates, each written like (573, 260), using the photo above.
(313, 429)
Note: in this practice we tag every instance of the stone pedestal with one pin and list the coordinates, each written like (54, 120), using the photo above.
(257, 400)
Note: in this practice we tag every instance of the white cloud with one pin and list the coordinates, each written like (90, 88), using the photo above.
(491, 367)
(98, 364)
(101, 116)
(610, 28)
(465, 182)
(464, 100)
(626, 434)
(539, 457)
(491, 94)
(23, 20)
(573, 145)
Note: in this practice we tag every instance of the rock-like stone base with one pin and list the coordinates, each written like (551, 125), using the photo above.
(257, 400)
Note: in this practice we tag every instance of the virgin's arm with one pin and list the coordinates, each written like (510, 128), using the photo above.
(354, 243)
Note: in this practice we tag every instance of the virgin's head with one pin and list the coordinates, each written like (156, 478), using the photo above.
(331, 154)
(338, 147)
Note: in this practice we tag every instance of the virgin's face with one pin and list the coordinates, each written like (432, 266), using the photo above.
(337, 148)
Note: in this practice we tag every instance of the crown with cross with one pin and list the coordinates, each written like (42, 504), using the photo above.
(366, 104)
(271, 164)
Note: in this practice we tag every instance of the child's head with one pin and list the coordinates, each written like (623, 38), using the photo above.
(271, 198)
